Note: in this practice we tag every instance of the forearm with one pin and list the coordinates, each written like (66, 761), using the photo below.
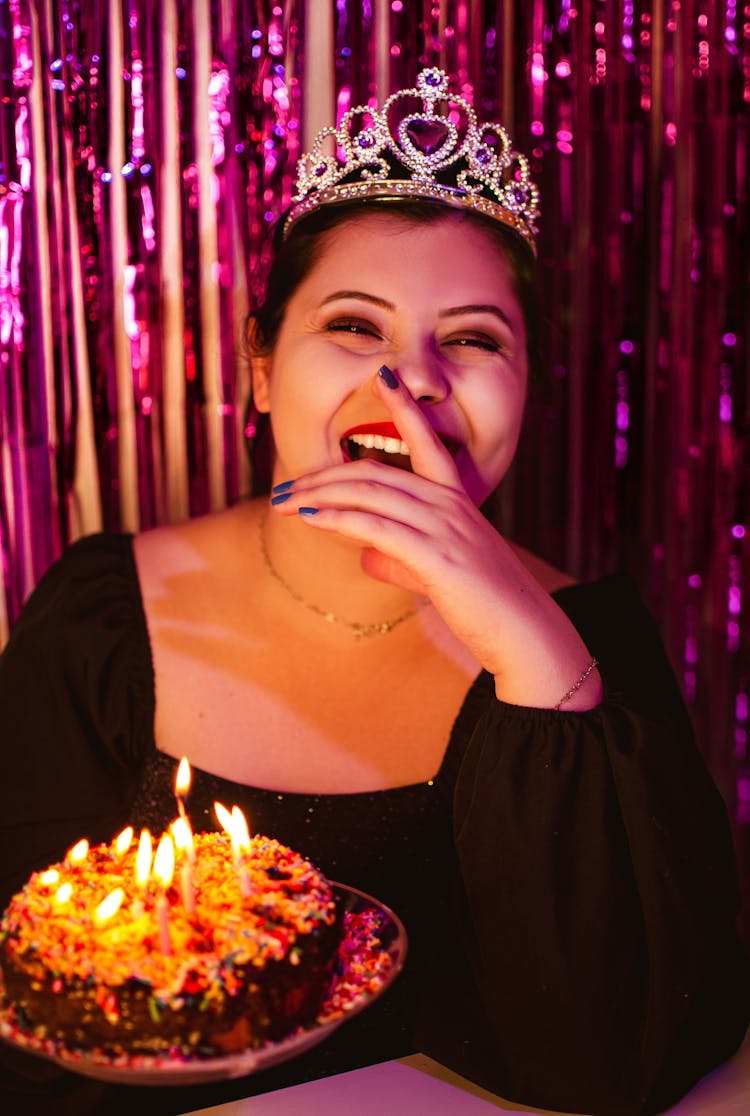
(540, 660)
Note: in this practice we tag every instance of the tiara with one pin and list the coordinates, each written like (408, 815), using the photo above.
(441, 154)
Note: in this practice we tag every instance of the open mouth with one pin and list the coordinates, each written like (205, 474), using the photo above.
(378, 441)
(381, 441)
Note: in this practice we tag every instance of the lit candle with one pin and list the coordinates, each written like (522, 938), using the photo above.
(182, 784)
(183, 839)
(240, 822)
(109, 906)
(164, 870)
(236, 826)
(123, 841)
(225, 818)
(63, 893)
(142, 870)
(79, 852)
(182, 834)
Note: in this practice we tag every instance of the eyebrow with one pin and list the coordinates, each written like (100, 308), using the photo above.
(453, 311)
(478, 308)
(363, 295)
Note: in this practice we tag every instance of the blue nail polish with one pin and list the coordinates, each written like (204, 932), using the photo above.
(308, 511)
(283, 487)
(280, 498)
(385, 373)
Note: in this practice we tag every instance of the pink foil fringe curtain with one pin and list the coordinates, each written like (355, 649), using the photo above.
(146, 151)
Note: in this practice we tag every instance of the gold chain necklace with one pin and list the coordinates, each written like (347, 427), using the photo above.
(359, 629)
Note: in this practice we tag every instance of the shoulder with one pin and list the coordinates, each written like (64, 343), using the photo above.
(617, 625)
(548, 576)
(611, 595)
(83, 628)
(614, 592)
(203, 531)
(77, 666)
(90, 571)
(102, 551)
(84, 614)
(205, 544)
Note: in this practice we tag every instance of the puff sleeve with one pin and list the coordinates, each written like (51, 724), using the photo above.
(597, 896)
(76, 708)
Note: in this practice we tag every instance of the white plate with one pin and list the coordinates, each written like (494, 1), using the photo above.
(140, 1069)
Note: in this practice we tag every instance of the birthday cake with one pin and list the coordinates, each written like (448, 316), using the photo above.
(230, 954)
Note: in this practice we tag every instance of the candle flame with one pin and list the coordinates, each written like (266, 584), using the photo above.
(235, 825)
(182, 834)
(50, 877)
(225, 818)
(64, 893)
(164, 860)
(184, 777)
(240, 828)
(123, 841)
(109, 906)
(143, 858)
(79, 851)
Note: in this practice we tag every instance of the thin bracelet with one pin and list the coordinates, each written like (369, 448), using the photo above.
(579, 683)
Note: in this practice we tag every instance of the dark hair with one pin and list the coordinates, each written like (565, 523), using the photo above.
(295, 257)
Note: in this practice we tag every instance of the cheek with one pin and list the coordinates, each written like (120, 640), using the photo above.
(497, 407)
(304, 395)
(498, 417)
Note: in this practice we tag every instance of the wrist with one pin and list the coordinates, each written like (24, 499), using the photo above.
(570, 695)
(544, 692)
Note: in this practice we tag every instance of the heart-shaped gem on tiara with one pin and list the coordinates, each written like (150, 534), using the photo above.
(426, 142)
(428, 136)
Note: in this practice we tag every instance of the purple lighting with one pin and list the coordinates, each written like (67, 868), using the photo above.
(649, 375)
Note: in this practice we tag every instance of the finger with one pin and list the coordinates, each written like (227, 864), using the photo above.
(402, 541)
(373, 488)
(355, 482)
(429, 456)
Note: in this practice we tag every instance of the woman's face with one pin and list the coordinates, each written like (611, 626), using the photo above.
(434, 302)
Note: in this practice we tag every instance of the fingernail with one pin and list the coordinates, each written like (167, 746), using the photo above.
(308, 511)
(283, 487)
(387, 375)
(280, 498)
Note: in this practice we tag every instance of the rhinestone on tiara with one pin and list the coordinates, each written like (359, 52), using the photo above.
(440, 153)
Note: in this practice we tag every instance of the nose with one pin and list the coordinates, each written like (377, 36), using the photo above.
(424, 373)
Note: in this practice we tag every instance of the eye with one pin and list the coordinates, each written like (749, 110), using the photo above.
(355, 326)
(480, 341)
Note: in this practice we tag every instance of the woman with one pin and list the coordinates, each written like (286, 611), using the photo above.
(383, 681)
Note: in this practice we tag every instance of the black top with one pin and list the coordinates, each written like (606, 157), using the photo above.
(567, 879)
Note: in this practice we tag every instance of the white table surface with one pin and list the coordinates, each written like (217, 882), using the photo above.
(418, 1086)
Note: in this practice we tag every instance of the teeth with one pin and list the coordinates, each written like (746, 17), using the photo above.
(380, 442)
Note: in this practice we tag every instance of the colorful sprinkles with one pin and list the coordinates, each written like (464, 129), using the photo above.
(288, 896)
(364, 967)
(65, 965)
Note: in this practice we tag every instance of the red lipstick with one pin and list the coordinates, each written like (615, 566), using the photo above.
(387, 429)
